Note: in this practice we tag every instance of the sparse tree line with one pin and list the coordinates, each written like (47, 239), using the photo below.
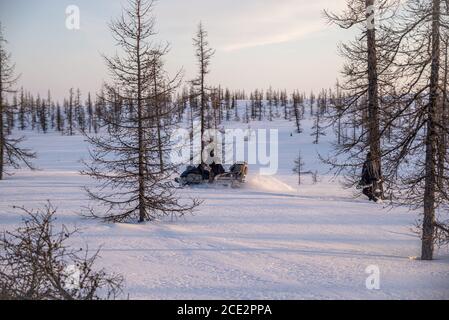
(73, 116)
(223, 105)
(77, 115)
(27, 112)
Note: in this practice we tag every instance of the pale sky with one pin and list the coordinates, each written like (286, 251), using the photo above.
(285, 44)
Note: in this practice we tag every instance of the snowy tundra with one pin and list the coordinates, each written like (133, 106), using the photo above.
(271, 239)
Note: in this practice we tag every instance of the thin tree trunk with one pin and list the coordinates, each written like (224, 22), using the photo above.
(2, 138)
(140, 124)
(339, 130)
(71, 113)
(203, 99)
(443, 120)
(373, 95)
(192, 151)
(431, 140)
(156, 105)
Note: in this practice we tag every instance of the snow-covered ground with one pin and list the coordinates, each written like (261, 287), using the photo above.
(268, 240)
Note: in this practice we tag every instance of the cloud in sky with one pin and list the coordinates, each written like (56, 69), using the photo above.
(274, 39)
(274, 22)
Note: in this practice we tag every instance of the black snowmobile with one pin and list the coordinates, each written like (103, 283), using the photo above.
(214, 174)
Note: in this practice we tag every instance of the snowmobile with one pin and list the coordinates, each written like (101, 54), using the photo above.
(194, 175)
(205, 174)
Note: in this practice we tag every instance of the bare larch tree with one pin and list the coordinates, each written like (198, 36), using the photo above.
(204, 55)
(367, 61)
(412, 155)
(125, 156)
(11, 153)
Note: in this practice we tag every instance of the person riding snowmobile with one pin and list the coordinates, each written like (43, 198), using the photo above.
(215, 170)
(204, 171)
(370, 176)
(201, 170)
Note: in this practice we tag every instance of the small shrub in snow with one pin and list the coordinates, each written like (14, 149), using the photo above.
(36, 263)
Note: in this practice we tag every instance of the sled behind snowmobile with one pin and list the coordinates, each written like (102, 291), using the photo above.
(235, 177)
